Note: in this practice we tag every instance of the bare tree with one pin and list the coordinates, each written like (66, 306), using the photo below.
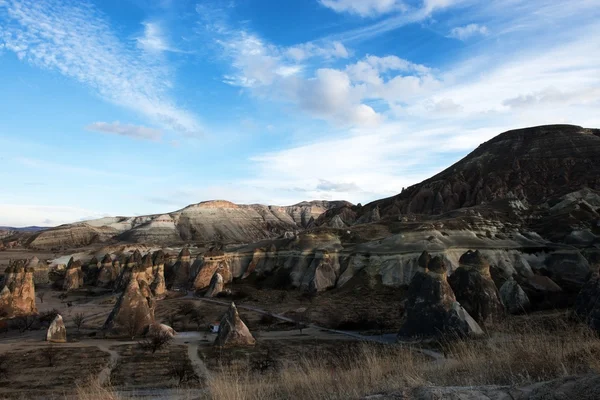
(50, 353)
(133, 320)
(183, 371)
(25, 322)
(300, 319)
(40, 295)
(197, 318)
(155, 341)
(78, 320)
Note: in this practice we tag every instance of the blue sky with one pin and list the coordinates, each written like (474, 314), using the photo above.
(129, 107)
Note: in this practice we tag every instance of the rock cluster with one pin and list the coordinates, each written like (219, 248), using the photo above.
(431, 308)
(232, 330)
(216, 285)
(18, 295)
(513, 297)
(214, 261)
(474, 288)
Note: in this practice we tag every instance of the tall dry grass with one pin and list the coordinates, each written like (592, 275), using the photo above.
(530, 354)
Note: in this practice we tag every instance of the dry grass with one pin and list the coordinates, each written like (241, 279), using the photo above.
(530, 355)
(92, 390)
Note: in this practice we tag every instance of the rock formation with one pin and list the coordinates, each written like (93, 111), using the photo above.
(203, 222)
(431, 308)
(57, 333)
(73, 277)
(108, 272)
(18, 295)
(157, 328)
(159, 286)
(134, 311)
(216, 285)
(232, 330)
(180, 276)
(214, 261)
(513, 297)
(474, 288)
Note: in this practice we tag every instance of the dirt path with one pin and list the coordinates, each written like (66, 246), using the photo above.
(385, 339)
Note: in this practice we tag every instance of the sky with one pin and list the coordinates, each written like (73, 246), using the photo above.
(134, 107)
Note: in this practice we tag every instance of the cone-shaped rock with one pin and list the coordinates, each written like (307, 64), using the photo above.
(57, 333)
(108, 272)
(133, 312)
(474, 288)
(513, 297)
(216, 285)
(232, 330)
(159, 286)
(431, 308)
(73, 277)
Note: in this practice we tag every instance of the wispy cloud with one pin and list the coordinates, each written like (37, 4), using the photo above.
(75, 40)
(19, 215)
(468, 31)
(153, 39)
(133, 131)
(364, 8)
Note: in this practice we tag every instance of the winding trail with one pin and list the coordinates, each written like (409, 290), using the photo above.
(385, 339)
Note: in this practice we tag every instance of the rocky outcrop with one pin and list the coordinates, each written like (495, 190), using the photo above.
(57, 333)
(203, 222)
(214, 261)
(181, 272)
(475, 290)
(232, 330)
(134, 311)
(216, 285)
(569, 269)
(431, 307)
(18, 295)
(159, 285)
(109, 272)
(73, 277)
(325, 269)
(514, 298)
(486, 174)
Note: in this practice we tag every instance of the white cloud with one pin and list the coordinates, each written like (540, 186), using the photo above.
(364, 8)
(468, 31)
(308, 50)
(133, 131)
(153, 40)
(74, 39)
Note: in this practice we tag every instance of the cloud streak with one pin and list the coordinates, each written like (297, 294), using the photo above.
(75, 40)
(133, 131)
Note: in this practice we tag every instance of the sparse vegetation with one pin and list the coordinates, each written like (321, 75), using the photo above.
(78, 320)
(40, 295)
(155, 341)
(536, 355)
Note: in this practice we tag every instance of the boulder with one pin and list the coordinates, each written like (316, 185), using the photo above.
(513, 297)
(587, 304)
(156, 329)
(216, 285)
(431, 309)
(474, 288)
(57, 333)
(134, 311)
(232, 330)
(73, 277)
(569, 269)
(544, 293)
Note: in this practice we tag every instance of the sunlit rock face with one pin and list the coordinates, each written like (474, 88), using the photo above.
(18, 294)
(57, 333)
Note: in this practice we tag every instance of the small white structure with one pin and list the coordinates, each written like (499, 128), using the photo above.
(214, 327)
